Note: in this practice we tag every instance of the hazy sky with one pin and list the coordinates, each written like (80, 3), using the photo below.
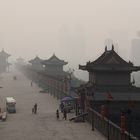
(75, 30)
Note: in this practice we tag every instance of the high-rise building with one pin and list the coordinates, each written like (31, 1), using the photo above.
(4, 65)
(135, 47)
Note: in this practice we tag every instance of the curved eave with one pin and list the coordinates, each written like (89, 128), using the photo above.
(54, 63)
(117, 69)
(82, 67)
(35, 62)
(31, 61)
(3, 53)
(136, 68)
(112, 70)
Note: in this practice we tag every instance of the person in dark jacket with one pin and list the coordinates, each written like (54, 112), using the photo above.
(64, 113)
(62, 106)
(57, 114)
(35, 108)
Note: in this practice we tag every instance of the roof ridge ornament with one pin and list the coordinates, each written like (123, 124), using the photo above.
(112, 47)
(133, 81)
(54, 54)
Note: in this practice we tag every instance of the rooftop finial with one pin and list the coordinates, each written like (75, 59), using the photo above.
(112, 47)
(133, 82)
(105, 48)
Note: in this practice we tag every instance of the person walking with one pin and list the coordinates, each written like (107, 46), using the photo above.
(65, 114)
(62, 106)
(35, 108)
(57, 114)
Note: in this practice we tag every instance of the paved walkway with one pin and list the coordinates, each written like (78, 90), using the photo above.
(25, 126)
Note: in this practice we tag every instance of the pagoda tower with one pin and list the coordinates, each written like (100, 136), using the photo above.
(37, 63)
(4, 65)
(54, 66)
(110, 86)
(110, 71)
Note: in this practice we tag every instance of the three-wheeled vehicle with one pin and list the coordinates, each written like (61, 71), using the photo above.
(11, 104)
(68, 103)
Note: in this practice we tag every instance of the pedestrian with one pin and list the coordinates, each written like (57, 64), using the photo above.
(35, 108)
(62, 106)
(64, 113)
(57, 114)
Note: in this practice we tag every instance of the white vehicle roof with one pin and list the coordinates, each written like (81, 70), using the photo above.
(10, 100)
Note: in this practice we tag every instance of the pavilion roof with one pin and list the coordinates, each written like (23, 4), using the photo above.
(3, 53)
(36, 60)
(109, 61)
(53, 60)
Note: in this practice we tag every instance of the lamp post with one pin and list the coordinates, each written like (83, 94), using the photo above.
(109, 99)
(76, 107)
(129, 112)
(108, 107)
(122, 123)
(92, 94)
(70, 79)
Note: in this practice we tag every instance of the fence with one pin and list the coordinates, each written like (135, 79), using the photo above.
(105, 126)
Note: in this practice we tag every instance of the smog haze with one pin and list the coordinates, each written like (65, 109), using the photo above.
(75, 30)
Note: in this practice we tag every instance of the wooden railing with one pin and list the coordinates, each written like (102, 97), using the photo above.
(102, 125)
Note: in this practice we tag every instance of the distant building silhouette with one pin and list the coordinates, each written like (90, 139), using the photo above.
(37, 63)
(135, 47)
(4, 65)
(21, 61)
(135, 44)
(54, 66)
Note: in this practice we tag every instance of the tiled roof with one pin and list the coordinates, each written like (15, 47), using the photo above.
(3, 53)
(54, 60)
(36, 60)
(109, 61)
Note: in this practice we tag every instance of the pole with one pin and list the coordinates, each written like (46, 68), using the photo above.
(76, 107)
(129, 125)
(92, 120)
(93, 110)
(108, 135)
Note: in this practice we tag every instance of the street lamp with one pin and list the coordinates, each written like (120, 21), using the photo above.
(122, 123)
(109, 99)
(129, 112)
(92, 94)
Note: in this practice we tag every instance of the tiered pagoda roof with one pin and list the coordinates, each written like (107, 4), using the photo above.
(4, 54)
(36, 60)
(109, 61)
(54, 61)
